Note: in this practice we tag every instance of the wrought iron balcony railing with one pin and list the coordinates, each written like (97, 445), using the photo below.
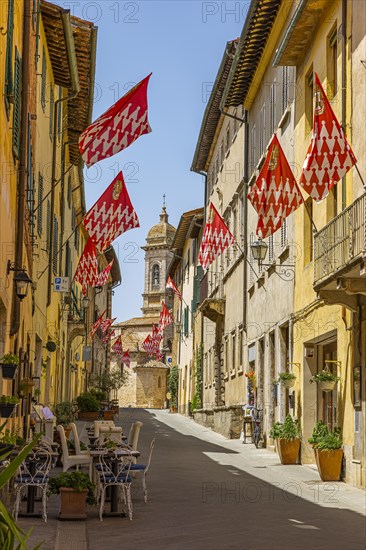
(341, 241)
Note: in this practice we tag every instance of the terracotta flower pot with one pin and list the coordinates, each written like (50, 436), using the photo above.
(329, 464)
(109, 415)
(88, 416)
(288, 450)
(73, 503)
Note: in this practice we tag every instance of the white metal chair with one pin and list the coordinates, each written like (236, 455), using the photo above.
(114, 470)
(106, 432)
(133, 436)
(34, 471)
(143, 468)
(99, 423)
(68, 461)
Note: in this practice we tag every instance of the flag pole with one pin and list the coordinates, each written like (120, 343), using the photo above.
(361, 178)
(248, 262)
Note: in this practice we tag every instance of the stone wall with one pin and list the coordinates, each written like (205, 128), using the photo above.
(151, 387)
(227, 421)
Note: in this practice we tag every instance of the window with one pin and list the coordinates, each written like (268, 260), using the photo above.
(253, 148)
(55, 244)
(52, 108)
(69, 191)
(308, 231)
(309, 100)
(270, 248)
(67, 260)
(272, 108)
(43, 81)
(186, 322)
(284, 234)
(285, 87)
(59, 113)
(332, 62)
(48, 228)
(233, 351)
(156, 275)
(40, 205)
(262, 129)
(17, 103)
(241, 345)
(227, 354)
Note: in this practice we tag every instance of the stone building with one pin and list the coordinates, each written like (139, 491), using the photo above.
(147, 383)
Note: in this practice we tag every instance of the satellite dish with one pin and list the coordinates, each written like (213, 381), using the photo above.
(51, 346)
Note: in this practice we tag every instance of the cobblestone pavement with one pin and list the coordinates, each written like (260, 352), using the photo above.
(206, 492)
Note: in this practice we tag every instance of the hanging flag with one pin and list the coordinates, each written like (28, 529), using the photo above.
(117, 347)
(156, 334)
(165, 318)
(216, 238)
(170, 284)
(104, 325)
(87, 270)
(126, 358)
(110, 334)
(103, 275)
(118, 127)
(148, 345)
(112, 215)
(329, 156)
(275, 194)
(96, 325)
(159, 356)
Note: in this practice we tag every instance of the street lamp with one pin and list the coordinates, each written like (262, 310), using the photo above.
(85, 302)
(259, 248)
(21, 280)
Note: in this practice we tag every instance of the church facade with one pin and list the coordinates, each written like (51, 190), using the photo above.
(147, 383)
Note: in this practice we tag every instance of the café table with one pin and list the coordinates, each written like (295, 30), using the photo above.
(96, 454)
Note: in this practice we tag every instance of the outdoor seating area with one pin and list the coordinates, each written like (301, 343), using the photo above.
(93, 463)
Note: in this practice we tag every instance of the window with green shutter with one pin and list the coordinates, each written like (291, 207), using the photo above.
(185, 322)
(40, 205)
(52, 108)
(17, 103)
(8, 91)
(44, 76)
(48, 228)
(36, 56)
(55, 244)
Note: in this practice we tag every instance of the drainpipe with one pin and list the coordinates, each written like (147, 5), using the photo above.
(245, 219)
(22, 177)
(344, 86)
(75, 89)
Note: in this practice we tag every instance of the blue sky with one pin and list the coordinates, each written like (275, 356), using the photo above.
(181, 43)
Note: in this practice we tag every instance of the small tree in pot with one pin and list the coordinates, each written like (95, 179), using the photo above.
(287, 436)
(75, 490)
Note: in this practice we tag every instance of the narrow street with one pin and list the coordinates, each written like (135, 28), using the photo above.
(204, 494)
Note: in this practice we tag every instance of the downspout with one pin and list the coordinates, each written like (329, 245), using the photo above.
(22, 163)
(245, 219)
(344, 86)
(75, 89)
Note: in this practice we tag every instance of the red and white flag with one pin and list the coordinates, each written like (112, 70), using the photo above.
(275, 194)
(170, 284)
(165, 318)
(126, 358)
(87, 270)
(103, 275)
(216, 238)
(112, 215)
(156, 334)
(118, 127)
(110, 334)
(117, 347)
(97, 324)
(329, 156)
(148, 345)
(159, 355)
(104, 325)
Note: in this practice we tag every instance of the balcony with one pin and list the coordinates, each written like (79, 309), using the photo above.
(340, 256)
(212, 301)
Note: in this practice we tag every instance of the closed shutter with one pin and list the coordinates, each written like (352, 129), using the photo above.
(52, 107)
(17, 103)
(185, 324)
(43, 82)
(40, 205)
(55, 244)
(48, 228)
(9, 58)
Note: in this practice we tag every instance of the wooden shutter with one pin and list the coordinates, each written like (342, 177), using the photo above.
(55, 244)
(43, 82)
(9, 58)
(52, 107)
(40, 205)
(17, 103)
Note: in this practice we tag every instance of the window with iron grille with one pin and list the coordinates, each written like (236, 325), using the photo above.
(8, 91)
(40, 205)
(17, 103)
(43, 79)
(55, 244)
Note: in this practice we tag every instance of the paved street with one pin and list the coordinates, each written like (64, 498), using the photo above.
(206, 492)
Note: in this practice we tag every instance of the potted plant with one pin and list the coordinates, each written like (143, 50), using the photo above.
(251, 377)
(287, 379)
(328, 451)
(26, 385)
(326, 380)
(75, 490)
(9, 364)
(64, 413)
(88, 406)
(7, 405)
(287, 437)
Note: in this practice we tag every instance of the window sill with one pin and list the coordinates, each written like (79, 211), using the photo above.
(284, 117)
